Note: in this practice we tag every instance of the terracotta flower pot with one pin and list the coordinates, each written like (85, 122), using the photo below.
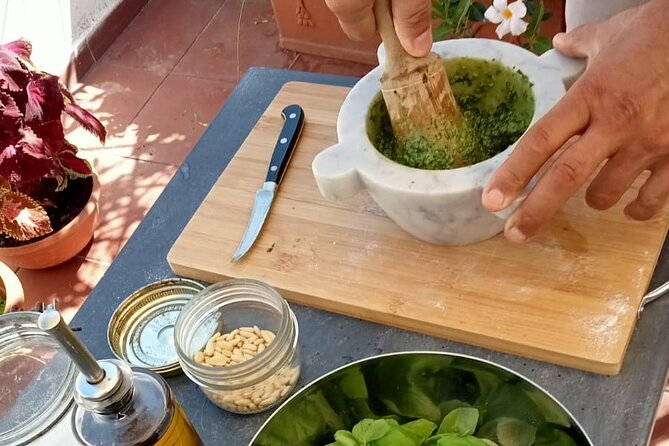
(63, 244)
(11, 290)
(308, 26)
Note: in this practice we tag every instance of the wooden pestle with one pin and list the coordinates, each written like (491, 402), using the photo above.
(415, 89)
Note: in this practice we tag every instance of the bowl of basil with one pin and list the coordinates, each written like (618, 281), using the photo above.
(422, 399)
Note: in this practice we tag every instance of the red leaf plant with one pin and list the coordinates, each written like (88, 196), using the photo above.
(33, 148)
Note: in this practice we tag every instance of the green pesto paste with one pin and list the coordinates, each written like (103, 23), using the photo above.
(497, 105)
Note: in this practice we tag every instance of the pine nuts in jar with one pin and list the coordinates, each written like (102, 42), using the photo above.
(237, 340)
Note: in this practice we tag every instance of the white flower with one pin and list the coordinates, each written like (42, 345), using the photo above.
(509, 17)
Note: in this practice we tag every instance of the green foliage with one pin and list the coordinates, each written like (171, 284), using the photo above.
(461, 18)
(403, 402)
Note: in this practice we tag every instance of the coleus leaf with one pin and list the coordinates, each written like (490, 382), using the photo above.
(25, 160)
(4, 185)
(73, 166)
(22, 217)
(19, 48)
(44, 99)
(31, 144)
(10, 120)
(86, 120)
(8, 108)
(13, 75)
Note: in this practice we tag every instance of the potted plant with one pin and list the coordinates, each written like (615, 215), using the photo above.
(308, 26)
(48, 195)
(467, 18)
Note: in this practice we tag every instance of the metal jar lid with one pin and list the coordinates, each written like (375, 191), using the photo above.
(141, 329)
(37, 383)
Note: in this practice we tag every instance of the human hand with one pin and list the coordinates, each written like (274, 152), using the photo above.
(619, 108)
(412, 18)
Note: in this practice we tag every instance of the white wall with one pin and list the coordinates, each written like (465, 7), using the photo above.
(55, 27)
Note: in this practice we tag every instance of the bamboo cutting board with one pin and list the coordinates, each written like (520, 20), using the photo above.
(570, 297)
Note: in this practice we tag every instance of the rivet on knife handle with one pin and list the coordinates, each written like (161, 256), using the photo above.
(283, 152)
(285, 145)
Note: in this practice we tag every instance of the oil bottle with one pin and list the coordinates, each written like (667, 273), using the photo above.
(118, 404)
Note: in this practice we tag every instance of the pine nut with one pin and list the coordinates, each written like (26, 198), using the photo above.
(267, 335)
(241, 345)
(217, 361)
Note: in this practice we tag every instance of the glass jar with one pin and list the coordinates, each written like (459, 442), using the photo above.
(36, 384)
(260, 382)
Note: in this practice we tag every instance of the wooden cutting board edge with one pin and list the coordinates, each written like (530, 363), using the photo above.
(421, 327)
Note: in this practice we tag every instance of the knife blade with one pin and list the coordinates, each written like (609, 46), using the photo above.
(293, 116)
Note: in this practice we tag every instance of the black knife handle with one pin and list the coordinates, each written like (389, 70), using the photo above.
(293, 116)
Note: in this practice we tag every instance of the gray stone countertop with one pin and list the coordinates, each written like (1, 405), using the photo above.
(613, 410)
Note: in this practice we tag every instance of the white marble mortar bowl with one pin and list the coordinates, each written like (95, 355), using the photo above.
(437, 206)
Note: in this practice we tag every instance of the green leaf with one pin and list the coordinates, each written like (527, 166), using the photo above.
(509, 432)
(456, 440)
(551, 411)
(345, 438)
(461, 421)
(477, 12)
(554, 437)
(540, 45)
(530, 7)
(438, 12)
(512, 432)
(369, 430)
(398, 437)
(422, 428)
(533, 26)
(462, 12)
(442, 31)
(547, 15)
(511, 400)
(353, 384)
(489, 442)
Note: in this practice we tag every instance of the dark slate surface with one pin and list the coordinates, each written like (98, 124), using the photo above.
(614, 410)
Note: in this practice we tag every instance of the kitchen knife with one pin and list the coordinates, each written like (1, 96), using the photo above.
(293, 116)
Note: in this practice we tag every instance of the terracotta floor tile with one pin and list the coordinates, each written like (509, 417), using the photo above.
(69, 283)
(317, 64)
(170, 125)
(162, 33)
(129, 189)
(114, 94)
(214, 54)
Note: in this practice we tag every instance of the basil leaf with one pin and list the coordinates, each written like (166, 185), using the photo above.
(461, 421)
(345, 438)
(398, 437)
(512, 432)
(421, 428)
(368, 430)
(455, 440)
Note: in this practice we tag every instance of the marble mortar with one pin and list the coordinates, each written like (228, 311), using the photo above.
(437, 206)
